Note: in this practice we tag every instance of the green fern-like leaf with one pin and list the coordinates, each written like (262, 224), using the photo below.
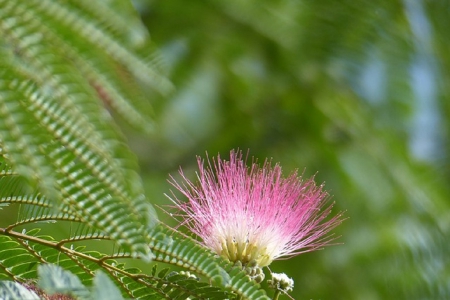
(54, 128)
(91, 191)
(102, 55)
(24, 250)
(30, 250)
(64, 162)
(172, 247)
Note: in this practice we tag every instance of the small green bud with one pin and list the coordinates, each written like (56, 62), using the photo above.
(238, 264)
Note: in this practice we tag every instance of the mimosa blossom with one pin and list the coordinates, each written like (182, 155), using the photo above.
(254, 214)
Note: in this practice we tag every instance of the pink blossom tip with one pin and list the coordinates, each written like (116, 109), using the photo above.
(254, 214)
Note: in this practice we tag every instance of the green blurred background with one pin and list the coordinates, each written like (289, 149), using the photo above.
(357, 91)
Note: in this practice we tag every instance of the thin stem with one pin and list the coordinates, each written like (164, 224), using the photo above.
(75, 256)
(276, 295)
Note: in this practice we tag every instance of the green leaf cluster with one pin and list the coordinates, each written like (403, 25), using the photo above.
(66, 68)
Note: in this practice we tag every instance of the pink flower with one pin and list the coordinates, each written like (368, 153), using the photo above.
(253, 214)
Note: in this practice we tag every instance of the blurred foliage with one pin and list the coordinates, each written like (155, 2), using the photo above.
(357, 91)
